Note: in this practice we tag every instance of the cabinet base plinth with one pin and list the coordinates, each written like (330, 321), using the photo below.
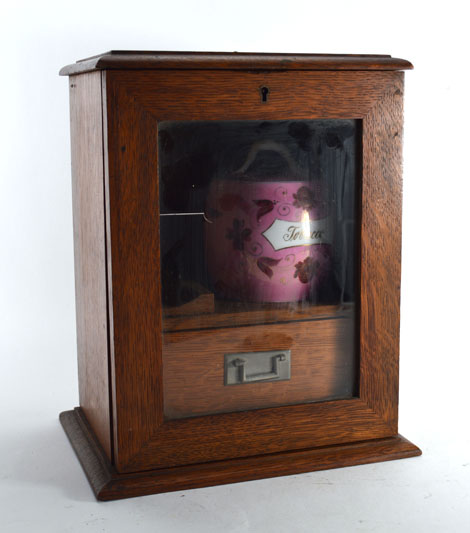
(108, 484)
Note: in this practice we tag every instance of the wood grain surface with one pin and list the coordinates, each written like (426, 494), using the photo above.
(380, 262)
(118, 59)
(160, 441)
(322, 366)
(136, 102)
(235, 314)
(90, 253)
(108, 484)
(131, 185)
(235, 95)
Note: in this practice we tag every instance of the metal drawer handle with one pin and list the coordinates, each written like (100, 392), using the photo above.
(244, 378)
(256, 367)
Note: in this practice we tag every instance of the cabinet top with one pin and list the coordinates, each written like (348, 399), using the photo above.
(134, 60)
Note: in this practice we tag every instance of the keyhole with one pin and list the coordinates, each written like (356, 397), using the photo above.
(264, 94)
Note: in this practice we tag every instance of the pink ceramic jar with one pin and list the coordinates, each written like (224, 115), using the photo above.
(266, 241)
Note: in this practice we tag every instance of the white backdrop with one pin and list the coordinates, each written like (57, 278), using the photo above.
(42, 487)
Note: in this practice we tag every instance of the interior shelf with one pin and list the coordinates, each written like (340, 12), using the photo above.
(225, 314)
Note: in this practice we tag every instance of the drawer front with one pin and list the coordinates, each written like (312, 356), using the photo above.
(321, 367)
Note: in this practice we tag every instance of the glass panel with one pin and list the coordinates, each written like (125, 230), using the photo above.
(258, 263)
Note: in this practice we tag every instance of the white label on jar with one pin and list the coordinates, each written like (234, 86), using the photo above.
(287, 234)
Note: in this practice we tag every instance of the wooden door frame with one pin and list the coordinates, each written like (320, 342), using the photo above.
(134, 102)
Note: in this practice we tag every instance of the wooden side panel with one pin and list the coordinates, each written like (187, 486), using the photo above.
(89, 251)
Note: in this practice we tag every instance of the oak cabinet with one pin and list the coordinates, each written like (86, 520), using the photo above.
(237, 259)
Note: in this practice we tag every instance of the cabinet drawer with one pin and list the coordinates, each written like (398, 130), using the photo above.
(321, 368)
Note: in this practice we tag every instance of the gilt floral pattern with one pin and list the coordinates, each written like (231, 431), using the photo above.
(306, 270)
(238, 234)
(304, 198)
(264, 207)
(265, 264)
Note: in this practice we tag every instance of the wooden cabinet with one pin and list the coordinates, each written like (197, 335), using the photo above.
(237, 260)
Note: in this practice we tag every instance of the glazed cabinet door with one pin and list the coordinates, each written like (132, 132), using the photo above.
(251, 223)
